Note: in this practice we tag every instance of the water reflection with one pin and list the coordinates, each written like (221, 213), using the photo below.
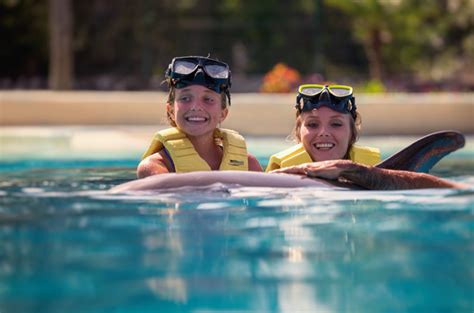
(244, 249)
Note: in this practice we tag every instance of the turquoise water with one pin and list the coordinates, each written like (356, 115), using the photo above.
(68, 246)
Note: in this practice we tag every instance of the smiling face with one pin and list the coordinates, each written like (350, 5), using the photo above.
(325, 133)
(197, 110)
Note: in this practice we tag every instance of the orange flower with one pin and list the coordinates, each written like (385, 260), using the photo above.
(281, 78)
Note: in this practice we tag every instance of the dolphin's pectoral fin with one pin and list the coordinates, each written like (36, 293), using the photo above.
(424, 153)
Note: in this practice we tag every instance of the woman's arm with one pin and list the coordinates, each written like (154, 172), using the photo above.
(370, 177)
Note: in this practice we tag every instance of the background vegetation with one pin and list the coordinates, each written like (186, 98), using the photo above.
(411, 45)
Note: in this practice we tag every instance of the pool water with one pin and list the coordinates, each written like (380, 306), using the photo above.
(68, 246)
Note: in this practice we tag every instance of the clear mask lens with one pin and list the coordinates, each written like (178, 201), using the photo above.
(311, 91)
(196, 70)
(184, 67)
(217, 71)
(337, 97)
(340, 92)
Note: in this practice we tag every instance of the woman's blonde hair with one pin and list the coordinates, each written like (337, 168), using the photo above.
(355, 128)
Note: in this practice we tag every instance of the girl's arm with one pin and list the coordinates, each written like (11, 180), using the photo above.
(152, 165)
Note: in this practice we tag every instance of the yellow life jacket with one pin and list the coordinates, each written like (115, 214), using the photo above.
(296, 155)
(186, 159)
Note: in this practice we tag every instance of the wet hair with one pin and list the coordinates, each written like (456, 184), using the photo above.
(355, 128)
(172, 97)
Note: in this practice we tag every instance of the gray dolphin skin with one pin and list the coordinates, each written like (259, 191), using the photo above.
(419, 156)
(229, 178)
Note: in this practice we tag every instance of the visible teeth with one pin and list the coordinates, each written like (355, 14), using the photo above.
(196, 119)
(324, 145)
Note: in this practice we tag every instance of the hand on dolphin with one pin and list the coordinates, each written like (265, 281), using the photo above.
(331, 169)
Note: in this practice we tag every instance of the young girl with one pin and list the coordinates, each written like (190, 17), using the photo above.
(326, 128)
(197, 104)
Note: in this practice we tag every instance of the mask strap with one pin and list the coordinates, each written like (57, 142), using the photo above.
(353, 106)
(227, 93)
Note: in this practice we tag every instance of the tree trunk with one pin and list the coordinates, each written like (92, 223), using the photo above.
(373, 47)
(61, 59)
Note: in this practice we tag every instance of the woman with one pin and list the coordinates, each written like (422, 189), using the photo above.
(197, 104)
(326, 128)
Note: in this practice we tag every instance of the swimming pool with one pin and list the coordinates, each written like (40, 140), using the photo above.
(68, 246)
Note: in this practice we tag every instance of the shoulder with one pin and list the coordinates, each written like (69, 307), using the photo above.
(253, 163)
(152, 165)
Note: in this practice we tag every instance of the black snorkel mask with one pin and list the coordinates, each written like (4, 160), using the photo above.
(196, 70)
(336, 97)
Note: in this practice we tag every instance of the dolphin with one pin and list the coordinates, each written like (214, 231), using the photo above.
(419, 156)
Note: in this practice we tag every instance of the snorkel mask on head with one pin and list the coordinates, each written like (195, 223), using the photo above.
(196, 70)
(336, 97)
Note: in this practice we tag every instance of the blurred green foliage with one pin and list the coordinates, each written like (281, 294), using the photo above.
(126, 44)
(372, 86)
(400, 37)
